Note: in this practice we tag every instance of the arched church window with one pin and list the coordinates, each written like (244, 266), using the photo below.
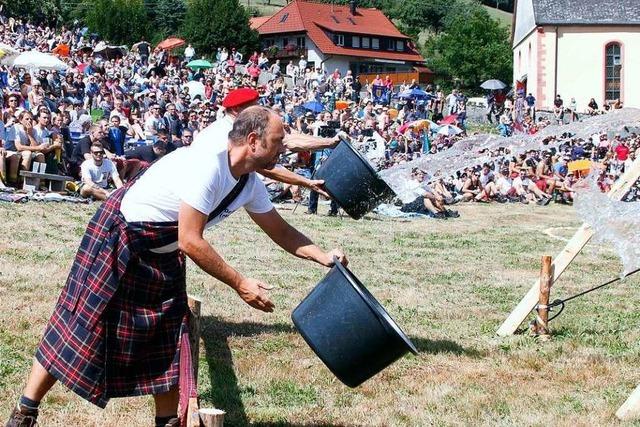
(613, 70)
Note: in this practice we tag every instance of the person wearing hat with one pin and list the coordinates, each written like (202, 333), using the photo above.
(237, 101)
(120, 325)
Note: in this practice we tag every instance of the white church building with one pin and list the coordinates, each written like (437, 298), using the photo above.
(578, 49)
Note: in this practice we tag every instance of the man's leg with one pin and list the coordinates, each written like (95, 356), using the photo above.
(313, 203)
(26, 411)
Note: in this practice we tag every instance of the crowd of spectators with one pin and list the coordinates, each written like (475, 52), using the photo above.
(115, 110)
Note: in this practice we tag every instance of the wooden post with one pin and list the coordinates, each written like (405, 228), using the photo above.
(541, 326)
(194, 333)
(564, 258)
(193, 418)
(212, 417)
(630, 409)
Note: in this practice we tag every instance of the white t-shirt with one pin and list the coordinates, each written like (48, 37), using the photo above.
(217, 133)
(99, 175)
(199, 176)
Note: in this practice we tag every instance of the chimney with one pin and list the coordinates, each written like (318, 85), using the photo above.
(352, 6)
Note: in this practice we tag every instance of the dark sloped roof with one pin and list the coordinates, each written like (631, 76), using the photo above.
(587, 12)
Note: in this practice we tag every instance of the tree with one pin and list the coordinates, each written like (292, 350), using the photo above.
(209, 25)
(40, 11)
(118, 21)
(472, 47)
(169, 16)
(418, 15)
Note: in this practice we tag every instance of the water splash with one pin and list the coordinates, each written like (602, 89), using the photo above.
(614, 222)
(470, 151)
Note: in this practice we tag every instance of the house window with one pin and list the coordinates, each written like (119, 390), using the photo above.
(365, 42)
(612, 69)
(375, 43)
(285, 42)
(355, 41)
(400, 45)
(390, 44)
(340, 39)
(301, 42)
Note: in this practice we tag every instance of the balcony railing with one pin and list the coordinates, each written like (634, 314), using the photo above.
(288, 52)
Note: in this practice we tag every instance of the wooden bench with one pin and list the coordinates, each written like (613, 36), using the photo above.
(32, 180)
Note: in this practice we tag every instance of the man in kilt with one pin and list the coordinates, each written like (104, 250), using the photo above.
(119, 327)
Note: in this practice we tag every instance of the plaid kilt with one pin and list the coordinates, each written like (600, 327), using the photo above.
(115, 330)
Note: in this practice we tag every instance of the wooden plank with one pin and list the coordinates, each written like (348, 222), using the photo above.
(193, 416)
(560, 263)
(49, 176)
(630, 409)
(195, 306)
(564, 258)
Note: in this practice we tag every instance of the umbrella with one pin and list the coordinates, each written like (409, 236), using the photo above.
(195, 88)
(170, 43)
(579, 165)
(493, 85)
(449, 120)
(342, 105)
(197, 64)
(413, 93)
(38, 61)
(449, 130)
(314, 106)
(62, 50)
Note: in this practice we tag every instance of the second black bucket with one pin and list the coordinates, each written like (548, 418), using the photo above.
(352, 182)
(348, 329)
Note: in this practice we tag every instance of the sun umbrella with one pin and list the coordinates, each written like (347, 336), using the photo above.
(62, 50)
(341, 105)
(195, 88)
(449, 120)
(34, 60)
(170, 43)
(413, 93)
(449, 130)
(493, 85)
(314, 106)
(579, 165)
(5, 49)
(197, 64)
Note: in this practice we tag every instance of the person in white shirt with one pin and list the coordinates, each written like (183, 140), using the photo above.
(96, 173)
(189, 53)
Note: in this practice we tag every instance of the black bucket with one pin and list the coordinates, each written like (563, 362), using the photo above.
(352, 182)
(348, 329)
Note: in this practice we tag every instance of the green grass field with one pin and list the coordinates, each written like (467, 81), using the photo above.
(449, 284)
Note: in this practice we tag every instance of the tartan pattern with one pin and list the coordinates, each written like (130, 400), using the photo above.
(115, 330)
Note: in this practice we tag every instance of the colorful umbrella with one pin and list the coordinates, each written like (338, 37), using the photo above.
(197, 64)
(449, 120)
(170, 43)
(314, 106)
(342, 105)
(579, 165)
(413, 93)
(62, 50)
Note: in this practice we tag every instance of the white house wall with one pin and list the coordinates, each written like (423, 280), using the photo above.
(525, 20)
(581, 72)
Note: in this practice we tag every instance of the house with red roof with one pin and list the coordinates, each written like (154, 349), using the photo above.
(343, 37)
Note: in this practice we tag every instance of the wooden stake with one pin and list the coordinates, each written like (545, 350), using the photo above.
(193, 418)
(630, 409)
(564, 258)
(541, 326)
(194, 333)
(212, 417)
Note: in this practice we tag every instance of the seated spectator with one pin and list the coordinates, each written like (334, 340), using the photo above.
(25, 142)
(135, 130)
(82, 149)
(96, 173)
(428, 203)
(147, 154)
(592, 107)
(527, 191)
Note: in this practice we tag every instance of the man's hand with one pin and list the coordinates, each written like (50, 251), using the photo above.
(253, 292)
(317, 185)
(328, 258)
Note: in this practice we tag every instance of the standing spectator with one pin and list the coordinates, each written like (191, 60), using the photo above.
(189, 53)
(531, 106)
